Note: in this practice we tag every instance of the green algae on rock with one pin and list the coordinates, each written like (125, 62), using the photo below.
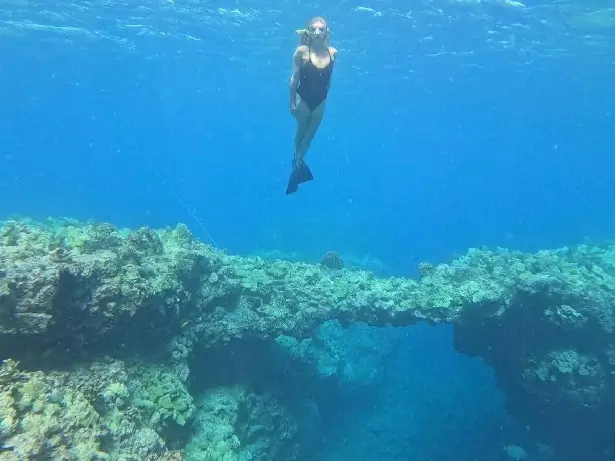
(86, 413)
(40, 421)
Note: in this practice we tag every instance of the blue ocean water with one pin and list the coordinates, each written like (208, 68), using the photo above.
(449, 125)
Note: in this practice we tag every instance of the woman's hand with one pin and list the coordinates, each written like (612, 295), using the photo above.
(293, 108)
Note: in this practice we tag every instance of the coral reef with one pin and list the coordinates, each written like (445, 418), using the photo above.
(544, 322)
(39, 420)
(234, 424)
(84, 414)
(332, 260)
(354, 356)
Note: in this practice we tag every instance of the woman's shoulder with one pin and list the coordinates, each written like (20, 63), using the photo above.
(301, 49)
(333, 51)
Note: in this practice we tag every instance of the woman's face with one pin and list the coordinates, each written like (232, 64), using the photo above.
(318, 30)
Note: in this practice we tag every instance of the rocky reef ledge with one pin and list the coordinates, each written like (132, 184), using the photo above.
(544, 322)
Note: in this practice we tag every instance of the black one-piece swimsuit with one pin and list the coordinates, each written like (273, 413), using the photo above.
(314, 81)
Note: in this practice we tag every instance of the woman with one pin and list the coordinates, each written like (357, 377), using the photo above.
(309, 85)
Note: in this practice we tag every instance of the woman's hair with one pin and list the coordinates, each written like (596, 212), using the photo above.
(304, 34)
(316, 19)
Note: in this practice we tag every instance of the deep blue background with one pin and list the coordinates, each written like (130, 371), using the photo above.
(448, 126)
(419, 156)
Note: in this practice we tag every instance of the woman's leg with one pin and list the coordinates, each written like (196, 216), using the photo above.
(309, 131)
(302, 115)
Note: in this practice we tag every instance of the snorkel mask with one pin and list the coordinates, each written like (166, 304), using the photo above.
(315, 31)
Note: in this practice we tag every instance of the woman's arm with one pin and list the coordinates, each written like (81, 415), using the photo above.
(333, 54)
(294, 78)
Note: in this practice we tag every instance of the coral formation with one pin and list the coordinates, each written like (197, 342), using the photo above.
(71, 291)
(38, 420)
(91, 412)
(332, 260)
(234, 424)
(353, 356)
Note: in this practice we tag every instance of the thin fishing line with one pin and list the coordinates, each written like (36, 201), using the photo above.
(180, 200)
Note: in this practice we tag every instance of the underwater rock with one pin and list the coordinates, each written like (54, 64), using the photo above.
(235, 424)
(544, 322)
(87, 413)
(515, 452)
(332, 260)
(352, 356)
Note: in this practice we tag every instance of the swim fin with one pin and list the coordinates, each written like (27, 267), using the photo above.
(298, 176)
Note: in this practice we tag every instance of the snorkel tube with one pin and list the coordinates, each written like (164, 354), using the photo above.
(304, 34)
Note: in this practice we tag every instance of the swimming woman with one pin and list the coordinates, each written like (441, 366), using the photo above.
(309, 85)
